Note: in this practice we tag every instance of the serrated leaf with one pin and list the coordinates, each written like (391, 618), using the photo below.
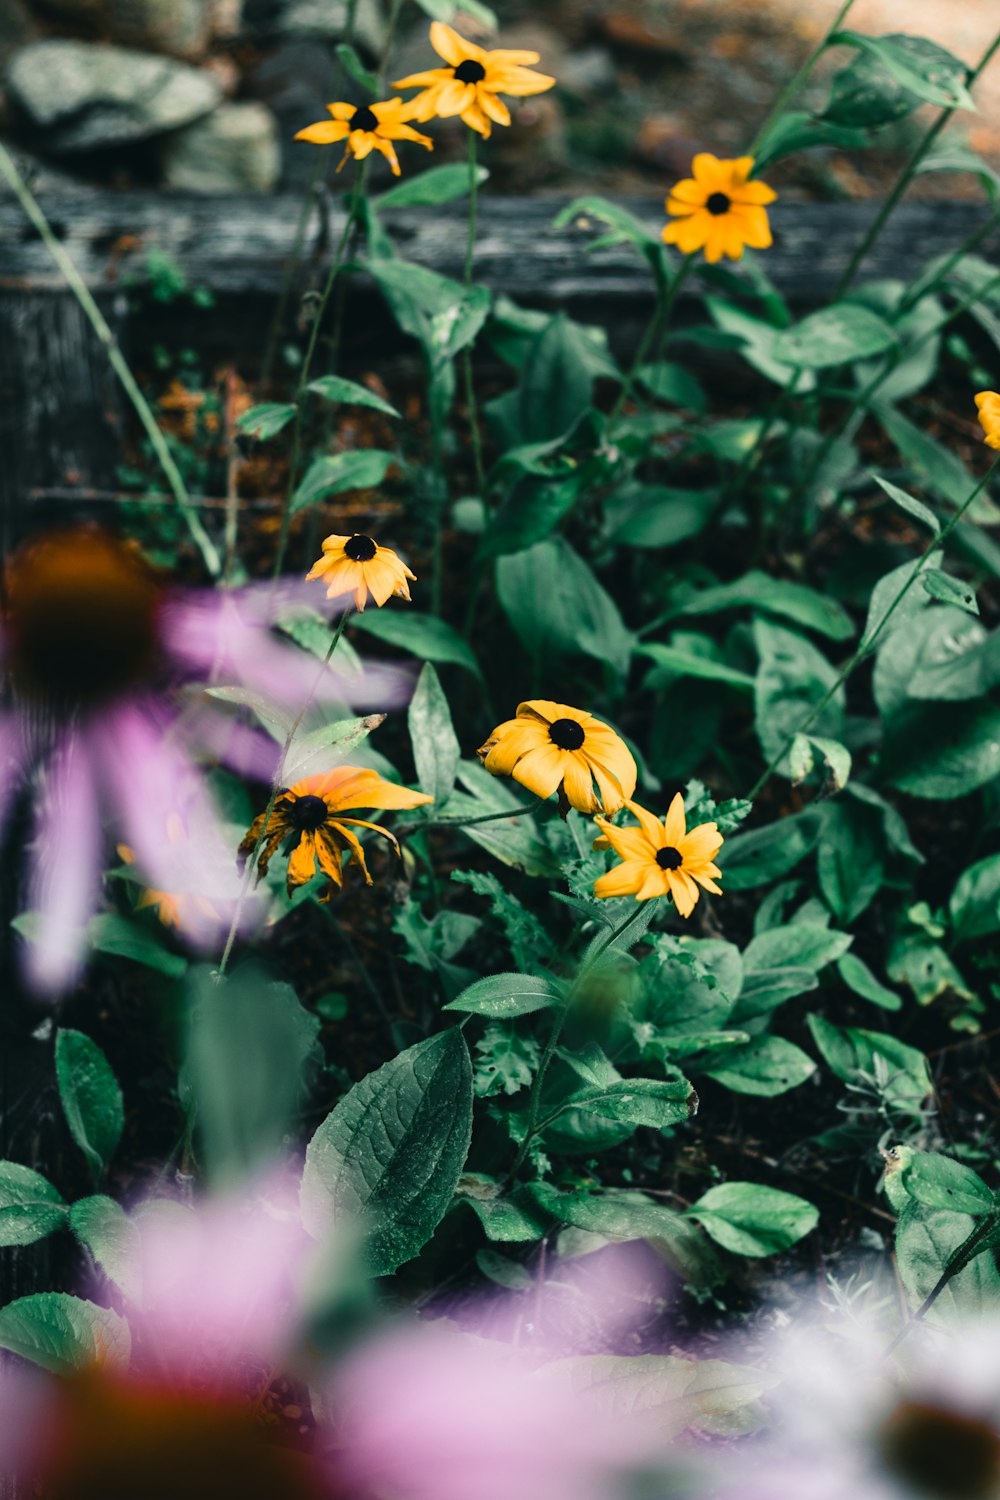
(501, 996)
(392, 1151)
(748, 1219)
(64, 1334)
(266, 420)
(344, 392)
(30, 1207)
(90, 1097)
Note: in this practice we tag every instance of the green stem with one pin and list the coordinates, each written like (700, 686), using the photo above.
(559, 1021)
(279, 772)
(867, 643)
(470, 386)
(795, 84)
(655, 329)
(300, 390)
(95, 317)
(905, 178)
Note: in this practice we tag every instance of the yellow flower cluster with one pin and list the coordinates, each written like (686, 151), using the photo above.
(551, 747)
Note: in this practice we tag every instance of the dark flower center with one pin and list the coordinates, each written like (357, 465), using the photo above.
(470, 71)
(306, 814)
(82, 619)
(567, 734)
(940, 1453)
(719, 203)
(360, 548)
(669, 858)
(364, 118)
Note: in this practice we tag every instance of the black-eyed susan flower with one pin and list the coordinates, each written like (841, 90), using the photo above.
(719, 210)
(472, 82)
(308, 819)
(552, 747)
(365, 128)
(660, 859)
(357, 564)
(988, 405)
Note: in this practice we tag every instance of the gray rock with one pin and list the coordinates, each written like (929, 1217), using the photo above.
(16, 28)
(235, 149)
(180, 27)
(85, 96)
(328, 18)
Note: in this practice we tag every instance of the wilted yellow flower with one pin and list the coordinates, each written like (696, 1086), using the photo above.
(719, 210)
(308, 818)
(366, 128)
(988, 403)
(357, 564)
(660, 858)
(550, 745)
(471, 83)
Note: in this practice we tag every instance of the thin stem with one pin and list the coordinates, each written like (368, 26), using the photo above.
(95, 317)
(655, 329)
(279, 772)
(905, 178)
(300, 390)
(470, 386)
(440, 494)
(559, 1021)
(867, 642)
(291, 270)
(232, 482)
(796, 83)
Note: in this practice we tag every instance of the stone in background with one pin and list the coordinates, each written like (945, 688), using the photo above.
(181, 28)
(235, 149)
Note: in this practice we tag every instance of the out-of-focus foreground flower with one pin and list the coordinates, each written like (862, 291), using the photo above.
(94, 644)
(212, 1400)
(851, 1421)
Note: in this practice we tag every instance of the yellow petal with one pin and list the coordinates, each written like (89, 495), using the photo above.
(454, 48)
(710, 172)
(753, 225)
(578, 783)
(674, 823)
(492, 106)
(510, 744)
(540, 770)
(624, 880)
(453, 97)
(302, 864)
(323, 133)
(519, 81)
(683, 900)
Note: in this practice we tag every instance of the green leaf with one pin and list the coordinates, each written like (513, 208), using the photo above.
(444, 315)
(555, 384)
(64, 1334)
(708, 1396)
(348, 393)
(504, 995)
(626, 225)
(655, 1102)
(913, 507)
(888, 595)
(681, 663)
(943, 655)
(30, 1207)
(757, 337)
(930, 1240)
(792, 678)
(949, 590)
(109, 932)
(836, 335)
(505, 1061)
(529, 514)
(674, 384)
(850, 1051)
(800, 944)
(621, 1215)
(774, 596)
(431, 188)
(859, 978)
(356, 70)
(105, 1230)
(795, 130)
(835, 755)
(356, 469)
(90, 1096)
(266, 420)
(749, 1219)
(869, 92)
(655, 516)
(974, 907)
(425, 636)
(557, 607)
(765, 1066)
(940, 1182)
(393, 1150)
(942, 753)
(248, 1045)
(506, 1218)
(314, 751)
(436, 751)
(765, 854)
(934, 466)
(447, 10)
(926, 70)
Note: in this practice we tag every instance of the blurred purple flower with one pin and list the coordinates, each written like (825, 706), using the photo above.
(94, 646)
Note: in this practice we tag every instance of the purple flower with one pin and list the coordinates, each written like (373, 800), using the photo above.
(95, 650)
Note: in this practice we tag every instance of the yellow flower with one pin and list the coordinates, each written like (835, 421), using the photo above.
(988, 403)
(366, 128)
(660, 858)
(357, 563)
(550, 745)
(471, 83)
(307, 818)
(719, 210)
